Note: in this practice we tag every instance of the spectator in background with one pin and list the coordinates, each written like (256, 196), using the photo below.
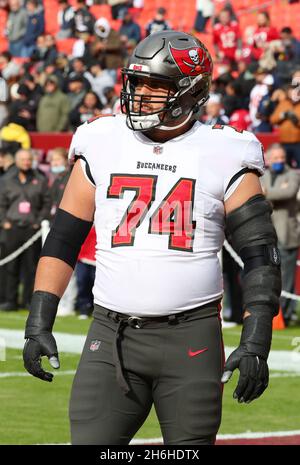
(117, 8)
(24, 204)
(257, 93)
(99, 79)
(14, 135)
(130, 31)
(83, 19)
(226, 38)
(81, 47)
(266, 107)
(65, 20)
(23, 109)
(8, 165)
(78, 66)
(112, 101)
(158, 23)
(205, 10)
(76, 90)
(53, 109)
(245, 80)
(45, 50)
(35, 27)
(263, 34)
(85, 275)
(3, 113)
(89, 107)
(16, 27)
(8, 68)
(214, 111)
(287, 117)
(107, 47)
(60, 170)
(291, 45)
(232, 287)
(232, 99)
(281, 185)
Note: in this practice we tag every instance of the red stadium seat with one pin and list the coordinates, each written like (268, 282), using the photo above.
(21, 60)
(101, 11)
(51, 24)
(3, 45)
(65, 45)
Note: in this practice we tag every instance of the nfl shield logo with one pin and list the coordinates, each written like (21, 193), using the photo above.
(95, 345)
(157, 149)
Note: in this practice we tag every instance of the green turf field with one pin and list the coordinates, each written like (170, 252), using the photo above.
(34, 412)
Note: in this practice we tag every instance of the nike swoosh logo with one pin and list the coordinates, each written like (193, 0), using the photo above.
(197, 352)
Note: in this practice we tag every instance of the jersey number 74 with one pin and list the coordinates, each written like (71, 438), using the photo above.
(173, 217)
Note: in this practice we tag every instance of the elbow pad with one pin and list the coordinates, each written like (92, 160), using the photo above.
(250, 230)
(66, 237)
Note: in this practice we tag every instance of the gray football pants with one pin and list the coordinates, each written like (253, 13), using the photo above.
(175, 365)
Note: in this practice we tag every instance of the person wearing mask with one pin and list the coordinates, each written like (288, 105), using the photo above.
(281, 185)
(24, 203)
(53, 109)
(287, 117)
(61, 173)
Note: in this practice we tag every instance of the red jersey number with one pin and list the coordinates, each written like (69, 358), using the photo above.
(174, 216)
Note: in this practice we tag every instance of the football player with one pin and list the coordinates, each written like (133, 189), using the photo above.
(161, 189)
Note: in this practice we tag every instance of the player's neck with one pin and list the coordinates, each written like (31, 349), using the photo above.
(159, 135)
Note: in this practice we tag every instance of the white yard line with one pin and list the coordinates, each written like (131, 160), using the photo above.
(17, 374)
(248, 435)
(275, 335)
(279, 360)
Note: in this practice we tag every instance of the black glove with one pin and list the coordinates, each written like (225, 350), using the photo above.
(251, 357)
(38, 335)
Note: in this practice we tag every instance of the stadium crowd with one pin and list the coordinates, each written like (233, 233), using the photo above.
(256, 87)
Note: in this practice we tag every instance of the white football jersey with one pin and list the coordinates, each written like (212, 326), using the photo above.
(159, 214)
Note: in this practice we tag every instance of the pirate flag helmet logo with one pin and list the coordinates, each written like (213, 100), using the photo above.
(191, 61)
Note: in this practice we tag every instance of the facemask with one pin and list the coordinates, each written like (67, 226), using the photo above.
(278, 167)
(58, 169)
